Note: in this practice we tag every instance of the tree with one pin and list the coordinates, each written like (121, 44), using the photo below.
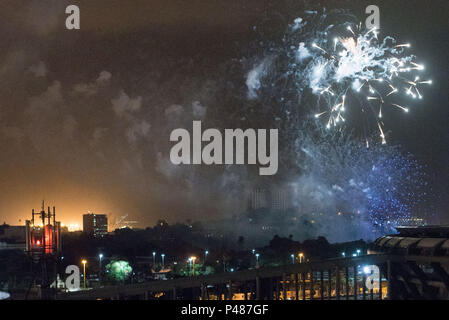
(118, 270)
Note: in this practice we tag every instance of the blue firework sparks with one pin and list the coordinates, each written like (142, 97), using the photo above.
(378, 186)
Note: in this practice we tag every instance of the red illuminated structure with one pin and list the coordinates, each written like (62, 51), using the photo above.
(43, 235)
(43, 245)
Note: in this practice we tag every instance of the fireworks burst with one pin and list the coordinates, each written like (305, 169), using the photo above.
(324, 73)
(336, 70)
(340, 177)
(377, 70)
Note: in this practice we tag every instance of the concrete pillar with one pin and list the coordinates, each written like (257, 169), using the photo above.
(356, 292)
(303, 276)
(296, 287)
(245, 291)
(322, 285)
(337, 287)
(364, 286)
(257, 288)
(203, 291)
(312, 285)
(278, 289)
(390, 281)
(284, 287)
(380, 283)
(347, 282)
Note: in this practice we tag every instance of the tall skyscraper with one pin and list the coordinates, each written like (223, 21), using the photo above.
(95, 225)
(282, 198)
(257, 199)
(277, 199)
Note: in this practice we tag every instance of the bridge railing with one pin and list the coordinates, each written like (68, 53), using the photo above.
(362, 277)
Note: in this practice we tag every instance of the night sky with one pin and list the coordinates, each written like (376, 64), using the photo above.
(85, 115)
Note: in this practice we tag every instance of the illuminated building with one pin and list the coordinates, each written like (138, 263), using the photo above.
(277, 199)
(95, 225)
(12, 237)
(15, 233)
(257, 199)
(281, 199)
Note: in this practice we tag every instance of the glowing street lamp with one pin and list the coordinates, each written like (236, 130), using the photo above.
(84, 261)
(358, 252)
(100, 257)
(163, 258)
(190, 264)
(301, 257)
(205, 255)
(253, 251)
(193, 262)
(257, 258)
(293, 258)
(154, 258)
(343, 254)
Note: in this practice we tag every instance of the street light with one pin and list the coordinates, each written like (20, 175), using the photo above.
(293, 258)
(190, 264)
(301, 256)
(358, 252)
(163, 256)
(253, 251)
(84, 261)
(257, 258)
(193, 262)
(154, 258)
(100, 257)
(205, 255)
(343, 254)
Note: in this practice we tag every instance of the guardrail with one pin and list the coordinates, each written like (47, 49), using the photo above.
(341, 278)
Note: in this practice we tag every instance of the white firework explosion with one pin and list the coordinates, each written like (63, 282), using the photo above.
(361, 62)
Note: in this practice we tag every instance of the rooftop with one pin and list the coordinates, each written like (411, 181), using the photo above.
(424, 231)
